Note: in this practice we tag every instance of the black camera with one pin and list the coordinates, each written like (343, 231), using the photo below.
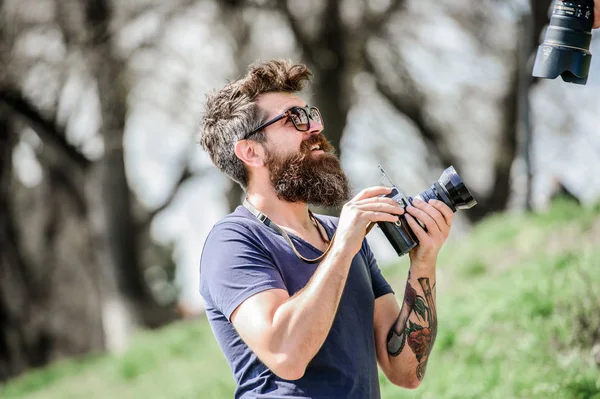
(566, 49)
(449, 189)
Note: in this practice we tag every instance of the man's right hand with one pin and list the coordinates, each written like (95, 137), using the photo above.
(596, 14)
(366, 207)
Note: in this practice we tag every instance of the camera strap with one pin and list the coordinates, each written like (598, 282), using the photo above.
(269, 223)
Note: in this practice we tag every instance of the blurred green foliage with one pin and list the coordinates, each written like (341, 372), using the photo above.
(518, 316)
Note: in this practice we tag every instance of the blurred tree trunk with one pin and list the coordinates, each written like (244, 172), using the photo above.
(526, 50)
(50, 305)
(334, 52)
(505, 153)
(16, 350)
(330, 59)
(326, 52)
(540, 17)
(532, 27)
(121, 225)
(71, 246)
(50, 300)
(516, 138)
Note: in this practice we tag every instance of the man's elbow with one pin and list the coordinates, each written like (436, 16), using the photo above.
(405, 381)
(410, 383)
(287, 368)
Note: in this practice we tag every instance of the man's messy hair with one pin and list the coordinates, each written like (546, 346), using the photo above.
(232, 111)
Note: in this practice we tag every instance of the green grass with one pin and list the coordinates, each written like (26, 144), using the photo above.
(518, 306)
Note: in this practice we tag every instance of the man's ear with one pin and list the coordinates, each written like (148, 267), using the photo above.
(250, 152)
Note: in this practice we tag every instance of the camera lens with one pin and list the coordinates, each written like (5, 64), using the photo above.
(566, 48)
(451, 190)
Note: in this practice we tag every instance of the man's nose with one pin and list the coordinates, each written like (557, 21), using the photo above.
(315, 128)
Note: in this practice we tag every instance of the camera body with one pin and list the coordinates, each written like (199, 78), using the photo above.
(449, 189)
(565, 51)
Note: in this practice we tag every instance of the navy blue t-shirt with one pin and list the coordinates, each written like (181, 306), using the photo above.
(242, 257)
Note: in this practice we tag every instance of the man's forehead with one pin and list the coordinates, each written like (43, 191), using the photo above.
(275, 103)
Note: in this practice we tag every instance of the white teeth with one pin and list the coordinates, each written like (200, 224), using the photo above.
(315, 147)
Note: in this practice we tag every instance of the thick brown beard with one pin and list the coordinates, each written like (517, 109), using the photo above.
(301, 178)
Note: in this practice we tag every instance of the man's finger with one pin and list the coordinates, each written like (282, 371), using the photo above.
(382, 207)
(424, 217)
(434, 212)
(416, 228)
(372, 192)
(597, 14)
(373, 200)
(374, 217)
(444, 209)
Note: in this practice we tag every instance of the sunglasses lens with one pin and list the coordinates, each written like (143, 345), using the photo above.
(315, 115)
(300, 119)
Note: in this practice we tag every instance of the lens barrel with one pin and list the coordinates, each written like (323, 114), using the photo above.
(565, 51)
(449, 189)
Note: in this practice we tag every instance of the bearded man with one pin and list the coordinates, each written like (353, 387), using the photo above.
(297, 312)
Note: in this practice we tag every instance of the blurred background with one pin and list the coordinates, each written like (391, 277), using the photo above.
(106, 197)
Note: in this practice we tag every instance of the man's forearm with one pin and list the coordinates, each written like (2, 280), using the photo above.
(411, 338)
(302, 323)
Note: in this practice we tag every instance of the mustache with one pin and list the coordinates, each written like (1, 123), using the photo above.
(319, 140)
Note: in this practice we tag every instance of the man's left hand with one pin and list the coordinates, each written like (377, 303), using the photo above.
(437, 218)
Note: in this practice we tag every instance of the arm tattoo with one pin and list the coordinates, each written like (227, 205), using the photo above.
(420, 335)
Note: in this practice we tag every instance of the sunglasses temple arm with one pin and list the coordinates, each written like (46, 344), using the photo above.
(266, 124)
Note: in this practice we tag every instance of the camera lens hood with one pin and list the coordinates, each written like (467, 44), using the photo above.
(572, 64)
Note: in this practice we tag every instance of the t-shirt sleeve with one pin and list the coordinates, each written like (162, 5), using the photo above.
(234, 266)
(379, 283)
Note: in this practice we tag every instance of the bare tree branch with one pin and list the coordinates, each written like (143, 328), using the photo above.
(410, 104)
(48, 130)
(186, 174)
(166, 10)
(374, 22)
(308, 44)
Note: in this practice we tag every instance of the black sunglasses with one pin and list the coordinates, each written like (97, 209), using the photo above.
(300, 117)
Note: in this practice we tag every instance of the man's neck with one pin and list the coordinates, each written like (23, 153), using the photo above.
(293, 215)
